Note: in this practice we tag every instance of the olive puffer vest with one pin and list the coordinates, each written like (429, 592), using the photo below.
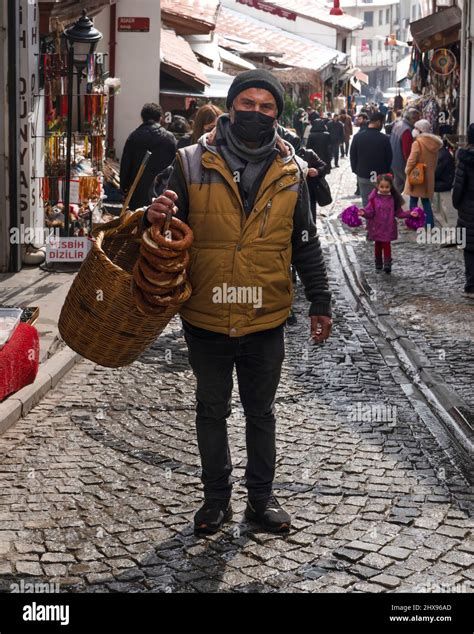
(240, 267)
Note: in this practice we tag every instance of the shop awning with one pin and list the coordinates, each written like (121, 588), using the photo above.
(220, 82)
(403, 67)
(355, 83)
(235, 60)
(437, 30)
(362, 77)
(67, 11)
(190, 17)
(355, 77)
(262, 41)
(179, 61)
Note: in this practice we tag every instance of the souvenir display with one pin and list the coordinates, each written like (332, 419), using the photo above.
(435, 77)
(87, 146)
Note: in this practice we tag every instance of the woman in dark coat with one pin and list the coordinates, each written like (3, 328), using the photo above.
(463, 201)
(319, 141)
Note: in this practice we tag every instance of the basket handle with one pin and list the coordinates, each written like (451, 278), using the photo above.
(136, 180)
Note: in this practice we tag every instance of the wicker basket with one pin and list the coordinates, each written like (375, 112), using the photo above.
(99, 319)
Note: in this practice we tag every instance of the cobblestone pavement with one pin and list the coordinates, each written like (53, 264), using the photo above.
(99, 483)
(423, 294)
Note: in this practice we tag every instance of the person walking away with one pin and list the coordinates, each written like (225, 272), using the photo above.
(149, 136)
(348, 130)
(299, 119)
(205, 121)
(425, 150)
(247, 232)
(336, 132)
(361, 121)
(463, 201)
(401, 139)
(307, 128)
(316, 170)
(319, 141)
(444, 179)
(371, 154)
(384, 206)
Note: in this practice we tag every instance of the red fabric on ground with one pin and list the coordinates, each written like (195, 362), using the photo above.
(19, 360)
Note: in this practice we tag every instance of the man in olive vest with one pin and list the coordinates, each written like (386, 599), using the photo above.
(241, 190)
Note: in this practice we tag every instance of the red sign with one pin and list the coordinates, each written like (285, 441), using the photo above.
(134, 25)
(269, 8)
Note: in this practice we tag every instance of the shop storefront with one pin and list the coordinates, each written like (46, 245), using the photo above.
(435, 69)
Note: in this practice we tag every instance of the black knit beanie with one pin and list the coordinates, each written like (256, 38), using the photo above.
(257, 78)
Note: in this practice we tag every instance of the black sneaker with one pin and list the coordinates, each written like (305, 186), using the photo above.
(212, 514)
(291, 320)
(269, 514)
(378, 265)
(387, 267)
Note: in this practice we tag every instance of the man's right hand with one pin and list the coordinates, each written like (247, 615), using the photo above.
(161, 205)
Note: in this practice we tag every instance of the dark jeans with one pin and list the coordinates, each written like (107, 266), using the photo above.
(335, 153)
(469, 263)
(258, 358)
(345, 148)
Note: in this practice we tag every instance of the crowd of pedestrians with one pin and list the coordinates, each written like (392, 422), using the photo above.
(398, 144)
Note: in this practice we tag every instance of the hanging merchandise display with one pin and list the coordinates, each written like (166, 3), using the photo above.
(87, 146)
(443, 62)
(435, 77)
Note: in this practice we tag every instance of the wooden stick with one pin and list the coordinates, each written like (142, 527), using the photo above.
(135, 182)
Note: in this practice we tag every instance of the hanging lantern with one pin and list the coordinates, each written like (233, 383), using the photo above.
(336, 10)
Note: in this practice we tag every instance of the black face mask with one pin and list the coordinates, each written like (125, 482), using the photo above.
(250, 125)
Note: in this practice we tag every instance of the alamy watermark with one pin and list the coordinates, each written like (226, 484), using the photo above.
(442, 235)
(34, 235)
(447, 587)
(372, 413)
(237, 295)
(36, 587)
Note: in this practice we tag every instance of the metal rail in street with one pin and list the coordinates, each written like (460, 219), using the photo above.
(446, 416)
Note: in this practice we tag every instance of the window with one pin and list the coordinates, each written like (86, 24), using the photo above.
(369, 18)
(387, 16)
(413, 12)
(380, 17)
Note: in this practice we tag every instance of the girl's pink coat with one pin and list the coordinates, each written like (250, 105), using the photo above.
(382, 217)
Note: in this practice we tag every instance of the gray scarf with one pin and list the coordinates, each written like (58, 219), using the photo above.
(249, 162)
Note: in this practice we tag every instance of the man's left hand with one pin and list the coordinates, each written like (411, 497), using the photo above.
(321, 327)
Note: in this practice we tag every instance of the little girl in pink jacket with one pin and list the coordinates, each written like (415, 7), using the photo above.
(384, 207)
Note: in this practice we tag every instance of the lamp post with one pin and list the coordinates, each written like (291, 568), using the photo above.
(81, 39)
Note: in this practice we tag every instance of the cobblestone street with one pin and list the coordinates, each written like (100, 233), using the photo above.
(100, 482)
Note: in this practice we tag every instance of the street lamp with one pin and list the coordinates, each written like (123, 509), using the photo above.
(81, 40)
